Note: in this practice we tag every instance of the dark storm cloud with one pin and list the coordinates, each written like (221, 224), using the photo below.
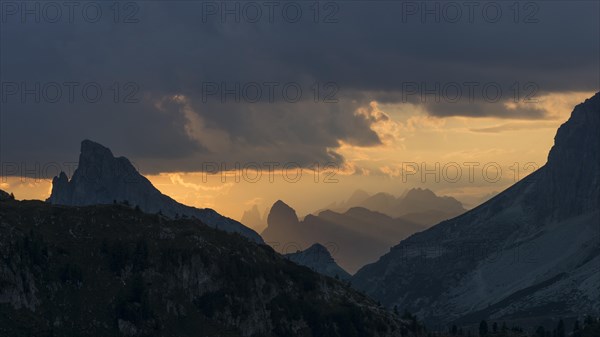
(373, 50)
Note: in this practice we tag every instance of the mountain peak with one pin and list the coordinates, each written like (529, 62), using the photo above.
(280, 203)
(579, 133)
(420, 200)
(419, 193)
(253, 218)
(100, 178)
(318, 248)
(555, 210)
(91, 147)
(571, 180)
(357, 197)
(281, 213)
(61, 178)
(4, 196)
(93, 153)
(318, 258)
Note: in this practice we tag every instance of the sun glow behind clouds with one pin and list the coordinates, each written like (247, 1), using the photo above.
(409, 135)
(412, 144)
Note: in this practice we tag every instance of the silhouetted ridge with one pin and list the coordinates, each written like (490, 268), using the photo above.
(100, 178)
(360, 235)
(533, 247)
(5, 196)
(110, 270)
(318, 258)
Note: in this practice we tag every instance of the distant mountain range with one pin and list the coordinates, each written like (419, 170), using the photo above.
(112, 270)
(418, 205)
(357, 236)
(531, 252)
(100, 178)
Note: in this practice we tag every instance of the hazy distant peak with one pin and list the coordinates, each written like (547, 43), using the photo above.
(383, 195)
(420, 193)
(281, 213)
(253, 218)
(280, 203)
(357, 197)
(428, 199)
(326, 213)
(252, 212)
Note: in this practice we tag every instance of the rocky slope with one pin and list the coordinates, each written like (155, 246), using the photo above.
(318, 258)
(101, 178)
(531, 252)
(358, 236)
(112, 270)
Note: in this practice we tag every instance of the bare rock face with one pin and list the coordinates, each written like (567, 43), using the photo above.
(61, 190)
(530, 252)
(101, 178)
(570, 183)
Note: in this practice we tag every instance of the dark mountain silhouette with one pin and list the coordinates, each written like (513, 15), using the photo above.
(282, 223)
(359, 235)
(318, 258)
(100, 178)
(5, 196)
(530, 252)
(112, 270)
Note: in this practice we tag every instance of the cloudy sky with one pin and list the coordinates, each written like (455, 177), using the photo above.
(359, 94)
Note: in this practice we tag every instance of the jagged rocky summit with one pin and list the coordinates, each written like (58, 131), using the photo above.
(100, 178)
